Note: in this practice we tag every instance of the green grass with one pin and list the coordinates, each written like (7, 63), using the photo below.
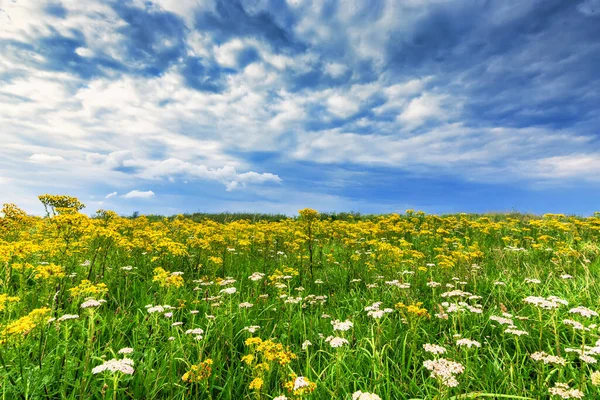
(383, 356)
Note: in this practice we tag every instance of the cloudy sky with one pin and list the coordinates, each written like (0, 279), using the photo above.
(169, 106)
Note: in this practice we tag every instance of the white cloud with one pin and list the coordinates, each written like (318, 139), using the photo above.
(427, 106)
(43, 158)
(108, 196)
(335, 70)
(138, 194)
(341, 106)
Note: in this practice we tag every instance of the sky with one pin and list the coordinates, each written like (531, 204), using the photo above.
(173, 106)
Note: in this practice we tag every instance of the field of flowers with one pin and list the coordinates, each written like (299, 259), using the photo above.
(387, 307)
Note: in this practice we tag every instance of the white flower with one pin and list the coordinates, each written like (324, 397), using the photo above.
(67, 317)
(256, 276)
(516, 332)
(532, 280)
(445, 370)
(155, 309)
(566, 276)
(246, 305)
(252, 328)
(583, 311)
(468, 342)
(547, 358)
(342, 326)
(168, 314)
(92, 303)
(124, 366)
(229, 290)
(434, 348)
(125, 350)
(282, 397)
(336, 341)
(564, 392)
(364, 396)
(305, 344)
(433, 284)
(195, 331)
(300, 383)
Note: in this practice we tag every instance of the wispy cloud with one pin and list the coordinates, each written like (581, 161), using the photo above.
(138, 194)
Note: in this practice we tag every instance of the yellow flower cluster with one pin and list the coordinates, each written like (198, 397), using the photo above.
(87, 289)
(199, 372)
(413, 309)
(264, 356)
(49, 271)
(25, 324)
(166, 278)
(4, 299)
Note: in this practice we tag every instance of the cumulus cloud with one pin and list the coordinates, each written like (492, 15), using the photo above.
(138, 194)
(112, 194)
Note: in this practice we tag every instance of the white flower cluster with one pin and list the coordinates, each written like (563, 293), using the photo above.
(256, 276)
(468, 342)
(444, 369)
(583, 311)
(342, 326)
(364, 396)
(124, 366)
(89, 302)
(434, 348)
(547, 358)
(336, 341)
(548, 303)
(563, 391)
(374, 311)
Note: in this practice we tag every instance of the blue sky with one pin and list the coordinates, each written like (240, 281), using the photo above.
(170, 106)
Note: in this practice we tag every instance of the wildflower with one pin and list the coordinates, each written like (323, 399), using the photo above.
(252, 328)
(566, 276)
(342, 326)
(168, 315)
(595, 377)
(501, 320)
(468, 342)
(179, 323)
(125, 366)
(256, 276)
(434, 348)
(125, 350)
(364, 396)
(246, 305)
(583, 311)
(282, 397)
(547, 358)
(516, 332)
(564, 392)
(336, 341)
(532, 280)
(433, 284)
(195, 331)
(256, 384)
(67, 317)
(92, 303)
(300, 382)
(199, 372)
(229, 290)
(306, 344)
(445, 370)
(575, 324)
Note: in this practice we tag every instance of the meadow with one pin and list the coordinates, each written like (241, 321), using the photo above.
(400, 306)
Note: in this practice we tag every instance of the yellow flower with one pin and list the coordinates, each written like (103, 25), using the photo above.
(256, 384)
(198, 373)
